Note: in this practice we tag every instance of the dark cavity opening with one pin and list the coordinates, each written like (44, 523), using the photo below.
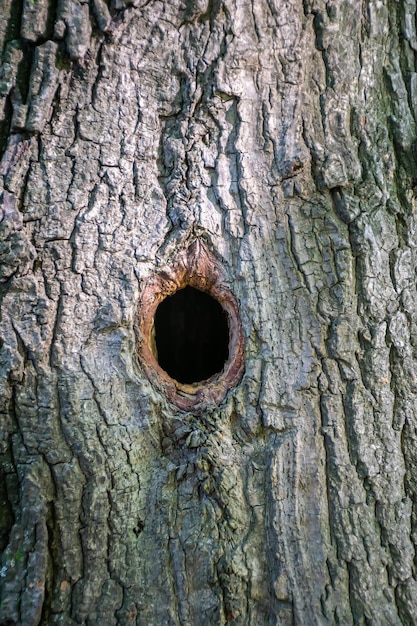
(191, 335)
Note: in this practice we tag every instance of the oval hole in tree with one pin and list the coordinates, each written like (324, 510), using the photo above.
(191, 336)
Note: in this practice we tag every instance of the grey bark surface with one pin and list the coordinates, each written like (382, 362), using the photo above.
(283, 134)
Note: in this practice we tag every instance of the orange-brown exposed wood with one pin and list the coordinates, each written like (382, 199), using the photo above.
(195, 267)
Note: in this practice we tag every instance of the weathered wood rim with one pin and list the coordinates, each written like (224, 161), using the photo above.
(195, 267)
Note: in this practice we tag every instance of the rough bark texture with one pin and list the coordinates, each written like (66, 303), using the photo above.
(282, 134)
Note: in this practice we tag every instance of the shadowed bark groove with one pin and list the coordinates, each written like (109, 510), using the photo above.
(283, 136)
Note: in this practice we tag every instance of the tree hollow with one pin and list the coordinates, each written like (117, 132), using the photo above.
(191, 335)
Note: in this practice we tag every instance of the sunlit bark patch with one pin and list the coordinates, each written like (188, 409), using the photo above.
(190, 334)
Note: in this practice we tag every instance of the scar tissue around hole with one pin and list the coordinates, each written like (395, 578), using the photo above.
(190, 334)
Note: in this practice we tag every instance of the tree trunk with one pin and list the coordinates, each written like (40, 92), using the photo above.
(276, 139)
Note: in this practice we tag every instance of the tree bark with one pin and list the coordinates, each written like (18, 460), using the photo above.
(281, 136)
